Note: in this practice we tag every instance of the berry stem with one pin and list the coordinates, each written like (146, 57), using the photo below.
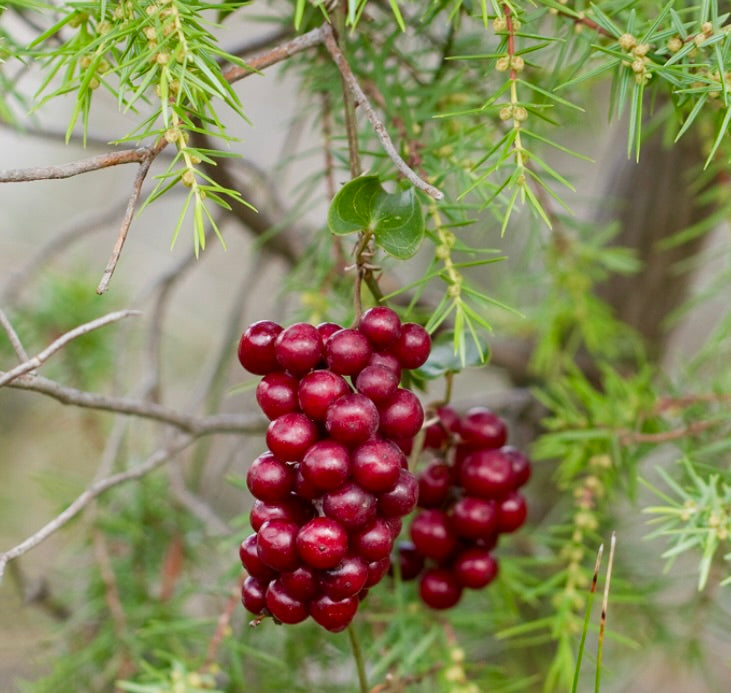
(358, 656)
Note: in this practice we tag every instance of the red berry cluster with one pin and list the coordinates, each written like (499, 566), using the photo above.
(334, 486)
(469, 495)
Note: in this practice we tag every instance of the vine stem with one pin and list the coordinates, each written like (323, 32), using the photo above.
(358, 656)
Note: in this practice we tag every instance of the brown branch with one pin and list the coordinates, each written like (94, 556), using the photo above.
(13, 337)
(218, 423)
(692, 429)
(378, 126)
(128, 215)
(156, 460)
(75, 168)
(58, 344)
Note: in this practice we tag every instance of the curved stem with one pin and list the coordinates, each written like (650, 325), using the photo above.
(358, 656)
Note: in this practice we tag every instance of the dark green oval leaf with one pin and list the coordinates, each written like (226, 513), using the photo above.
(354, 207)
(399, 224)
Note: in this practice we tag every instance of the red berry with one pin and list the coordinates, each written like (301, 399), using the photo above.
(378, 383)
(520, 464)
(394, 524)
(411, 561)
(346, 579)
(435, 482)
(487, 474)
(333, 615)
(351, 506)
(292, 509)
(387, 360)
(322, 543)
(475, 568)
(256, 347)
(376, 465)
(512, 512)
(290, 436)
(439, 589)
(448, 418)
(326, 465)
(352, 419)
(327, 329)
(268, 479)
(276, 394)
(375, 542)
(376, 572)
(251, 561)
(474, 518)
(406, 445)
(301, 583)
(283, 606)
(433, 535)
(436, 436)
(347, 352)
(481, 428)
(402, 416)
(381, 326)
(298, 348)
(400, 500)
(413, 346)
(253, 595)
(275, 544)
(318, 390)
(304, 488)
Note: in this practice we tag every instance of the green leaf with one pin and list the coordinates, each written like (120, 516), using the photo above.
(395, 219)
(444, 359)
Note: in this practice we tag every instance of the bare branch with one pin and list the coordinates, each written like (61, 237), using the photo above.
(155, 460)
(218, 423)
(126, 222)
(38, 360)
(75, 168)
(277, 54)
(378, 126)
(13, 337)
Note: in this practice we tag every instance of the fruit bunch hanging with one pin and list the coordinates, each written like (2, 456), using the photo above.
(334, 484)
(468, 495)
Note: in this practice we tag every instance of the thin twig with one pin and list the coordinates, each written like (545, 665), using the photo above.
(38, 360)
(693, 429)
(358, 656)
(13, 337)
(75, 168)
(605, 605)
(275, 55)
(128, 215)
(157, 459)
(218, 423)
(378, 126)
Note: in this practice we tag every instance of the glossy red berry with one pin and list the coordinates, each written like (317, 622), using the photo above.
(373, 543)
(333, 615)
(400, 500)
(487, 474)
(327, 330)
(344, 580)
(376, 465)
(318, 390)
(413, 346)
(304, 488)
(283, 606)
(276, 394)
(347, 352)
(251, 561)
(322, 543)
(377, 570)
(256, 347)
(433, 535)
(474, 518)
(378, 383)
(402, 416)
(387, 360)
(481, 428)
(411, 560)
(253, 593)
(439, 589)
(351, 506)
(292, 509)
(300, 584)
(475, 568)
(520, 464)
(290, 436)
(298, 348)
(326, 465)
(435, 483)
(381, 325)
(512, 512)
(268, 479)
(275, 544)
(352, 419)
